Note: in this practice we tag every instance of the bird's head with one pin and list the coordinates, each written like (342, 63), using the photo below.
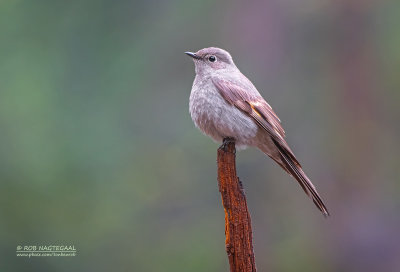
(211, 59)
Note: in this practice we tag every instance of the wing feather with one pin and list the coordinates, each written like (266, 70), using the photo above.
(256, 107)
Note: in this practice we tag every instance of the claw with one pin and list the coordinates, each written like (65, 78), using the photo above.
(226, 141)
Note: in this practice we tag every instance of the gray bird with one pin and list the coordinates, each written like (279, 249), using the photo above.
(226, 106)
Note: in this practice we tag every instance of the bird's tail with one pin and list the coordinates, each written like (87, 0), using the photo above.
(293, 167)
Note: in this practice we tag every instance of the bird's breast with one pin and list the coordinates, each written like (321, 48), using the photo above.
(214, 116)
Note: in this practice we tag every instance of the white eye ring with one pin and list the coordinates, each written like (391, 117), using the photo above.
(212, 58)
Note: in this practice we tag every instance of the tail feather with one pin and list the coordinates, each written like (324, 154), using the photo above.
(295, 170)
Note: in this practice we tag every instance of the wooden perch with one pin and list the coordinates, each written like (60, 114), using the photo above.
(239, 244)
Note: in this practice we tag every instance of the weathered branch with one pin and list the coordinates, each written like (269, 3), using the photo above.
(239, 244)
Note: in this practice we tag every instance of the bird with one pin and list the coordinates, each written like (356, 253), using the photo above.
(225, 105)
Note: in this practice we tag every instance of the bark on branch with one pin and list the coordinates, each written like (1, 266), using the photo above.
(238, 233)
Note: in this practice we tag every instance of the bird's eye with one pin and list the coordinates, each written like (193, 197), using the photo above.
(212, 58)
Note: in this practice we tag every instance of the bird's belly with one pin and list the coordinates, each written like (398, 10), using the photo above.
(218, 119)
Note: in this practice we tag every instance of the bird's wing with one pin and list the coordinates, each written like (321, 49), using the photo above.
(257, 108)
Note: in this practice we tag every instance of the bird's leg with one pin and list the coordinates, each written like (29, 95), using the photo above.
(225, 142)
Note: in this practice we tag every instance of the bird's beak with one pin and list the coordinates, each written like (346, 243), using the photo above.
(193, 55)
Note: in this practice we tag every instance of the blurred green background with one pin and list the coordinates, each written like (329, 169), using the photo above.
(98, 150)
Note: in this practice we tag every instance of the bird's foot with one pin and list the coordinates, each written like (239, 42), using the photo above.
(226, 141)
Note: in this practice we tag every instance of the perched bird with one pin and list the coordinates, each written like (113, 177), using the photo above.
(226, 106)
